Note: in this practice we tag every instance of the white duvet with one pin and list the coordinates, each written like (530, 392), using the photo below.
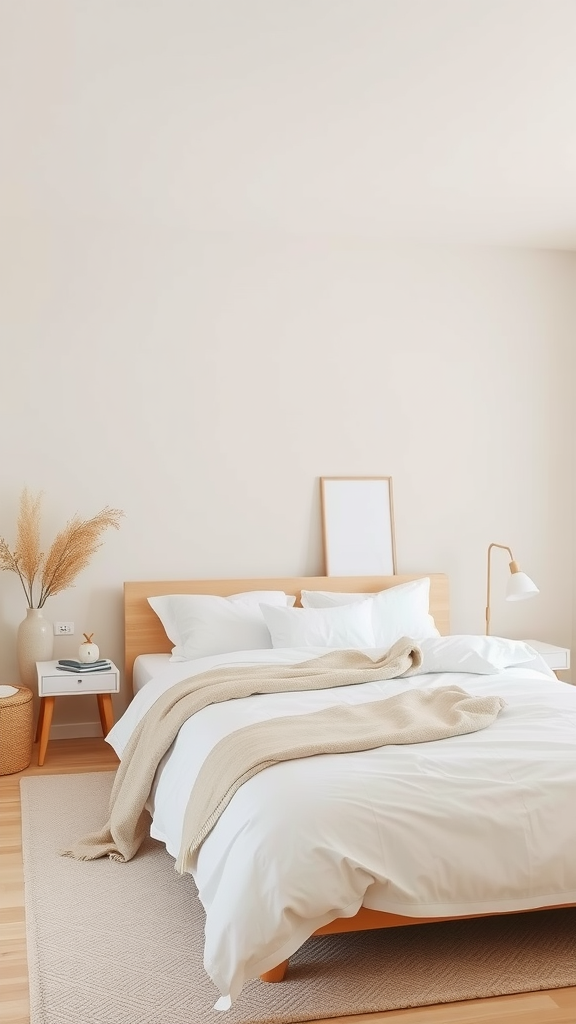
(467, 825)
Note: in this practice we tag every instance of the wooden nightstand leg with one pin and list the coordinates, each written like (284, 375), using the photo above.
(40, 719)
(105, 711)
(45, 730)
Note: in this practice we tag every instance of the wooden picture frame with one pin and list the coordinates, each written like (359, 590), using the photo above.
(358, 525)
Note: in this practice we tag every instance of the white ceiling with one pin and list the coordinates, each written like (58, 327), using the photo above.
(450, 120)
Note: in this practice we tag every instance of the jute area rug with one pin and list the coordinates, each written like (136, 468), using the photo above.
(113, 943)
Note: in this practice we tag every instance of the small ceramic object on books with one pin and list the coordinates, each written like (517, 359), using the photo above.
(88, 652)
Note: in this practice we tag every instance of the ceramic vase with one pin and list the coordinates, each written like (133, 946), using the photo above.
(35, 642)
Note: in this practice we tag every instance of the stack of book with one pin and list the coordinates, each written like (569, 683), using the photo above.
(69, 665)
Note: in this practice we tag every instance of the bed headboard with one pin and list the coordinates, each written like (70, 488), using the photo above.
(144, 633)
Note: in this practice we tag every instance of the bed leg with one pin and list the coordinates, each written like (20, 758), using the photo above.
(276, 974)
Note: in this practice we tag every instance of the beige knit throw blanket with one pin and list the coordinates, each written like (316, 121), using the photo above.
(413, 717)
(129, 821)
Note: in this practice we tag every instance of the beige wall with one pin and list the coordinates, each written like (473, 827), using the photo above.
(571, 373)
(204, 382)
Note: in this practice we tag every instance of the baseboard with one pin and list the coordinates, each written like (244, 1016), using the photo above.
(75, 730)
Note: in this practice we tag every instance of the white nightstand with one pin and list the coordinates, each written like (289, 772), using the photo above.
(557, 658)
(53, 682)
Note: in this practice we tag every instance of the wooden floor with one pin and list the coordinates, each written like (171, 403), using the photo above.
(87, 755)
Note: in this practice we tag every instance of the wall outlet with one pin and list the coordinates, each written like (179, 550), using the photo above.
(63, 628)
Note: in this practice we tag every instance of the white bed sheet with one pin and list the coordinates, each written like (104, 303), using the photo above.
(473, 824)
(147, 667)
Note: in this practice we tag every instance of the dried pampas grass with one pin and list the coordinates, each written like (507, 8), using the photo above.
(70, 552)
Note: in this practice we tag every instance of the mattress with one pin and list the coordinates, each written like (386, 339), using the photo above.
(474, 824)
(146, 667)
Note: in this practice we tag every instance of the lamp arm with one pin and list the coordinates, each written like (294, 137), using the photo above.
(504, 547)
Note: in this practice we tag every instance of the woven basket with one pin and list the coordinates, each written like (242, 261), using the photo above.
(16, 729)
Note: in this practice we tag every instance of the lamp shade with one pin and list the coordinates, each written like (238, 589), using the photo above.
(520, 586)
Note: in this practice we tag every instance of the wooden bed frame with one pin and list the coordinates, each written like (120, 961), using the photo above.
(144, 634)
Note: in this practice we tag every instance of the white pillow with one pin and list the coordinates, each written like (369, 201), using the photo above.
(344, 628)
(482, 655)
(396, 612)
(327, 599)
(200, 625)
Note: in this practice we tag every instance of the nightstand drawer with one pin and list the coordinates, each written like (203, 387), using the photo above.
(69, 682)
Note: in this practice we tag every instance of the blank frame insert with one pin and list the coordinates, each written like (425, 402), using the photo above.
(358, 526)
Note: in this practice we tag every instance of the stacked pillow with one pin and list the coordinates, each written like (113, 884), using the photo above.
(483, 655)
(349, 626)
(397, 611)
(200, 625)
